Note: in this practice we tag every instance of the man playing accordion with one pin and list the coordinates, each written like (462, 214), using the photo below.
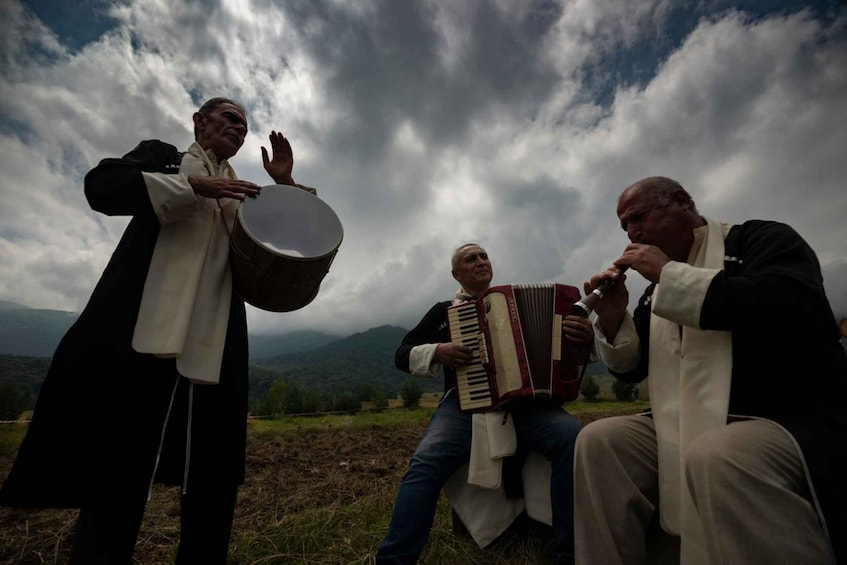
(542, 425)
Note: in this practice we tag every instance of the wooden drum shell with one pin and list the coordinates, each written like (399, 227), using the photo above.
(285, 274)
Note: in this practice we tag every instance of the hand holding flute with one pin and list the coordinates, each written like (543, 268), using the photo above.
(606, 293)
(596, 289)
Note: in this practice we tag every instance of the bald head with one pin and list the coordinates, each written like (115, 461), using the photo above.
(471, 268)
(658, 211)
(658, 192)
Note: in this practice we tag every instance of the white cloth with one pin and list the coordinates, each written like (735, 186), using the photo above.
(485, 513)
(690, 376)
(185, 305)
(493, 437)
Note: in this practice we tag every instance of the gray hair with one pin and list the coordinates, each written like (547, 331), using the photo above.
(458, 250)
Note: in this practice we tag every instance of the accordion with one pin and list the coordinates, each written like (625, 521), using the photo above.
(520, 350)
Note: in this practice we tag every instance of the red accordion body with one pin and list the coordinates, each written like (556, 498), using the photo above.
(519, 348)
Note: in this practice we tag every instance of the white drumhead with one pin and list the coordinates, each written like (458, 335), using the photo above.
(291, 222)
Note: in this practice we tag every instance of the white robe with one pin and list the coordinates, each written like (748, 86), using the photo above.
(185, 306)
(690, 375)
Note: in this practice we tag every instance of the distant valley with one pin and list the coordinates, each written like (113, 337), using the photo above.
(312, 360)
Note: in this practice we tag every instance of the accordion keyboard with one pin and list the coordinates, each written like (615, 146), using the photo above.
(472, 379)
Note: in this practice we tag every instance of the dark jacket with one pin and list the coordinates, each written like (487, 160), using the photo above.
(787, 361)
(433, 328)
(101, 411)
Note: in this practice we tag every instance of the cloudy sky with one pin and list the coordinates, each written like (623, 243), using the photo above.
(426, 124)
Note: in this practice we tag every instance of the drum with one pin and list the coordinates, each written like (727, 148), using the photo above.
(281, 246)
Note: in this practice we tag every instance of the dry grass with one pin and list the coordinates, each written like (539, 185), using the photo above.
(318, 491)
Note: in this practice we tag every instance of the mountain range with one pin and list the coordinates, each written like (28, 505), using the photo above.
(31, 331)
(310, 359)
(35, 332)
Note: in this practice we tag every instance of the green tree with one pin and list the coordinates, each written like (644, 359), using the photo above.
(590, 389)
(624, 391)
(379, 399)
(344, 401)
(364, 392)
(292, 399)
(274, 402)
(411, 393)
(310, 402)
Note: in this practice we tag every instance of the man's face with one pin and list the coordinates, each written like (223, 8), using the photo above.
(668, 227)
(473, 269)
(222, 130)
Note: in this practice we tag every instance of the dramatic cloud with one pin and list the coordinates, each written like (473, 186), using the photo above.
(427, 124)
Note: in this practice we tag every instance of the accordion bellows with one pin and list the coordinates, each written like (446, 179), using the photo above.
(520, 351)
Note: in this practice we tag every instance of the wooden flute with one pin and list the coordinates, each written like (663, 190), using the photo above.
(586, 306)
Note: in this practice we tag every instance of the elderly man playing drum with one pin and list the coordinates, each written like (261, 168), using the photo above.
(150, 383)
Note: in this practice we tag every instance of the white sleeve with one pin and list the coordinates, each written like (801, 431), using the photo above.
(623, 355)
(421, 362)
(171, 196)
(682, 291)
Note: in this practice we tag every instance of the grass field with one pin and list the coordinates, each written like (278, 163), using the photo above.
(319, 490)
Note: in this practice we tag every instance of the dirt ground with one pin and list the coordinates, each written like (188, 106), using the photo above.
(308, 470)
(312, 469)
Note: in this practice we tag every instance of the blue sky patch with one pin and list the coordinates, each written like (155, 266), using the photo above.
(75, 22)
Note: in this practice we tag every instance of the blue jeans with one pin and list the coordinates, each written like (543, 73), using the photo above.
(446, 446)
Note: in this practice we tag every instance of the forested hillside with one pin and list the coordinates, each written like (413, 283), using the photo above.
(357, 368)
(312, 371)
(362, 361)
(264, 346)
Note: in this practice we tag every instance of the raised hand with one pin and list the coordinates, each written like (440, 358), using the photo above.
(280, 166)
